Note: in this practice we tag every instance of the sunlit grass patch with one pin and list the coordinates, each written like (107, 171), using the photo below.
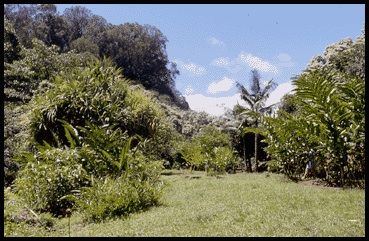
(236, 205)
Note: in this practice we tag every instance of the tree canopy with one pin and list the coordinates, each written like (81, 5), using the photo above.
(140, 50)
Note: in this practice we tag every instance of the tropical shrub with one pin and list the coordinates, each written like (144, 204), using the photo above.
(48, 176)
(330, 121)
(54, 175)
(339, 107)
(138, 188)
(88, 126)
(193, 154)
(111, 197)
(289, 141)
(224, 159)
(98, 95)
(210, 151)
(26, 73)
(104, 151)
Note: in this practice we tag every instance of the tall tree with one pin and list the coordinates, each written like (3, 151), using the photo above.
(345, 56)
(77, 19)
(140, 50)
(12, 47)
(40, 21)
(255, 98)
(22, 17)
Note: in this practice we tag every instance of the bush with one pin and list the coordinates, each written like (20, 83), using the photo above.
(330, 121)
(193, 154)
(98, 95)
(274, 166)
(17, 138)
(210, 151)
(111, 197)
(26, 73)
(104, 151)
(47, 177)
(224, 159)
(125, 185)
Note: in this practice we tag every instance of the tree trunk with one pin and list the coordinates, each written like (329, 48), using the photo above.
(247, 162)
(244, 154)
(256, 153)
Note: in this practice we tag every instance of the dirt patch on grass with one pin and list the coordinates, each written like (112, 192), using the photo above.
(316, 182)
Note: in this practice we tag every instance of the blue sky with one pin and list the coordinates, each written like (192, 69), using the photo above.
(215, 45)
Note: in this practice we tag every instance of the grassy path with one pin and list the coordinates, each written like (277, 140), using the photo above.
(237, 205)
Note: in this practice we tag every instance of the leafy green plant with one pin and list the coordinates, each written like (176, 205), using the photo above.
(35, 69)
(98, 95)
(224, 159)
(330, 121)
(192, 153)
(111, 197)
(104, 150)
(209, 150)
(289, 140)
(48, 176)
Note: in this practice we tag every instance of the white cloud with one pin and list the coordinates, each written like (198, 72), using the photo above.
(212, 105)
(190, 67)
(279, 92)
(285, 60)
(189, 90)
(237, 64)
(255, 62)
(224, 85)
(283, 57)
(217, 105)
(196, 69)
(232, 65)
(221, 62)
(214, 41)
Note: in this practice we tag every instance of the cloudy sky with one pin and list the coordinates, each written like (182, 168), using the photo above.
(217, 45)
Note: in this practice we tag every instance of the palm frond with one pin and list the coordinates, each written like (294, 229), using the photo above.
(270, 86)
(255, 78)
(268, 109)
(245, 95)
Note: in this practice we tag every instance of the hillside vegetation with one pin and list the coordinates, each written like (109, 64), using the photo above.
(93, 121)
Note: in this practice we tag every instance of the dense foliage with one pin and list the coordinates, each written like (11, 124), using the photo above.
(91, 124)
(92, 116)
(11, 43)
(326, 115)
(140, 50)
(28, 72)
(210, 150)
(36, 68)
(98, 95)
(47, 176)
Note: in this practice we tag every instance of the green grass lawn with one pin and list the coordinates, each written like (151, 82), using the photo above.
(241, 204)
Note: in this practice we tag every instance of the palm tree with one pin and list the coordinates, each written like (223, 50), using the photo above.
(256, 106)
